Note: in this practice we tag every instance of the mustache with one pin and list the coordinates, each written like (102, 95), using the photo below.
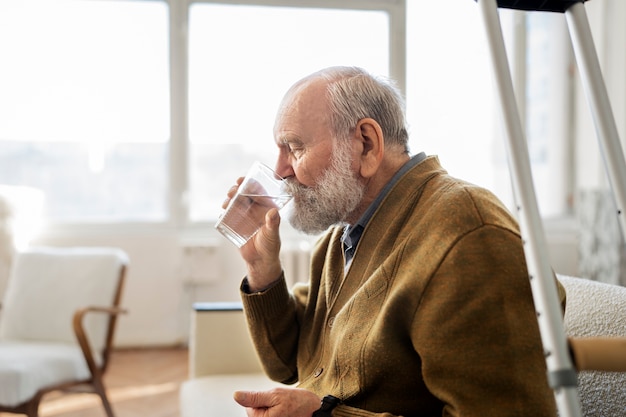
(294, 187)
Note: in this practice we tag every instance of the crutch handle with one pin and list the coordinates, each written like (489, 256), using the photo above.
(599, 353)
(538, 5)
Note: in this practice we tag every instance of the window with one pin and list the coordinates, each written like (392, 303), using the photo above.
(450, 98)
(548, 59)
(84, 106)
(452, 106)
(94, 110)
(87, 115)
(242, 59)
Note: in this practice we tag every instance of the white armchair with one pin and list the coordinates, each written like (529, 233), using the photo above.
(597, 309)
(57, 323)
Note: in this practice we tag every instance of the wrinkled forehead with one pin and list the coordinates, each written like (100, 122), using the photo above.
(305, 103)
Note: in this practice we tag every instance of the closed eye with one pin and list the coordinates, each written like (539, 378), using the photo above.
(294, 147)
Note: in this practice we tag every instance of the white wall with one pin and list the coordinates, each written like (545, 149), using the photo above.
(160, 288)
(168, 272)
(163, 282)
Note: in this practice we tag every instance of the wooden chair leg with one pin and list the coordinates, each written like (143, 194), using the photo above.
(100, 390)
(32, 408)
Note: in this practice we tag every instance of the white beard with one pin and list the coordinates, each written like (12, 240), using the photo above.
(335, 196)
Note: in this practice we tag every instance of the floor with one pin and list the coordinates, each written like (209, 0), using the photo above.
(139, 382)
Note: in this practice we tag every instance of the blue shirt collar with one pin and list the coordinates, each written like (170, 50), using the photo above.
(352, 233)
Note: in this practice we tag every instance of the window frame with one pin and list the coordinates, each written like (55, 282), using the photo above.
(517, 41)
(178, 221)
(179, 145)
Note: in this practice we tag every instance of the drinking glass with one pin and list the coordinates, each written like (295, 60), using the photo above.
(261, 190)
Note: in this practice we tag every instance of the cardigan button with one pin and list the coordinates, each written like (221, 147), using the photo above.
(318, 372)
(331, 321)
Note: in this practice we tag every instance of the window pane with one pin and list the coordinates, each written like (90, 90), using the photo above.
(242, 61)
(84, 111)
(451, 97)
(450, 94)
(547, 62)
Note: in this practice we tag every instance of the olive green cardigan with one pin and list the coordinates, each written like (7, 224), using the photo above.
(434, 318)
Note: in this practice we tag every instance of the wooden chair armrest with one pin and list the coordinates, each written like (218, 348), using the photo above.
(83, 339)
(78, 315)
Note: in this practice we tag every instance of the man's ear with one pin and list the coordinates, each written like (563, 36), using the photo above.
(370, 135)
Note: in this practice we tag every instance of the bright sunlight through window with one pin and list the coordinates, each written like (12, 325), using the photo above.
(84, 106)
(242, 60)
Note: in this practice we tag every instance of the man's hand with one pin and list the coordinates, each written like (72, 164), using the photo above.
(261, 253)
(278, 402)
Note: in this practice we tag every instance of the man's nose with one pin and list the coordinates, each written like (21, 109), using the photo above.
(283, 167)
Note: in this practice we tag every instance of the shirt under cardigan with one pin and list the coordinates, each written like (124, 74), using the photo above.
(434, 318)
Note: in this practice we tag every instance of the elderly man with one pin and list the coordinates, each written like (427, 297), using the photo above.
(418, 302)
